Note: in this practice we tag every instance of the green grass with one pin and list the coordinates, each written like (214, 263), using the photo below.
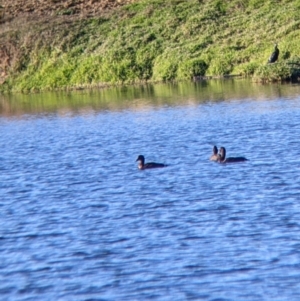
(157, 40)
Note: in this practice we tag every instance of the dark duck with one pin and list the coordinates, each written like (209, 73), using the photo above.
(274, 56)
(222, 157)
(214, 156)
(143, 165)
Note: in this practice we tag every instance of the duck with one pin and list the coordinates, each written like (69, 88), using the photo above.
(143, 165)
(274, 56)
(222, 157)
(214, 156)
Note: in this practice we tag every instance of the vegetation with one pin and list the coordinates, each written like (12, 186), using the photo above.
(155, 40)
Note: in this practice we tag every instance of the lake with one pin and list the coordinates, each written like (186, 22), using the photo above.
(79, 221)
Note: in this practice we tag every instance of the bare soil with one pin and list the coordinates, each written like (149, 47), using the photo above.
(37, 8)
(16, 14)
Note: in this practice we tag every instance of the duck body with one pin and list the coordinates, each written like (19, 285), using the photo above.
(222, 157)
(274, 56)
(234, 159)
(149, 165)
(214, 156)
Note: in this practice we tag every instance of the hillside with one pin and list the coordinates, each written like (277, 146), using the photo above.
(53, 44)
(39, 8)
(14, 14)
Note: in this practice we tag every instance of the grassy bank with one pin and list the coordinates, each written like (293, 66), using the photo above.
(154, 40)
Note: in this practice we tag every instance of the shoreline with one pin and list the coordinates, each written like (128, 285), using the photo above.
(88, 87)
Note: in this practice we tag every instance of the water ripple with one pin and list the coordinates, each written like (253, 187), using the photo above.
(79, 221)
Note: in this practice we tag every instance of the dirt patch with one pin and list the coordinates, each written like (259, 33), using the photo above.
(17, 14)
(16, 8)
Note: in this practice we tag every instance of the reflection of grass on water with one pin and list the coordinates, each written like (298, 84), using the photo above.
(139, 98)
(155, 40)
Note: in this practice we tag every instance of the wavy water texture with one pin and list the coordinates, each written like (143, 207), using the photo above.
(79, 221)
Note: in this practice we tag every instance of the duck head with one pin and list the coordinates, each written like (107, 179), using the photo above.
(215, 150)
(222, 153)
(141, 160)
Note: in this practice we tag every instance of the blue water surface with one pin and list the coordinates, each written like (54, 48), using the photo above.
(79, 221)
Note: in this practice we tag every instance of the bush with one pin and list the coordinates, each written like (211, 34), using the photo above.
(220, 67)
(273, 72)
(165, 66)
(249, 69)
(192, 68)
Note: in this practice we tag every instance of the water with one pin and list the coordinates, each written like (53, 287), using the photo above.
(79, 221)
